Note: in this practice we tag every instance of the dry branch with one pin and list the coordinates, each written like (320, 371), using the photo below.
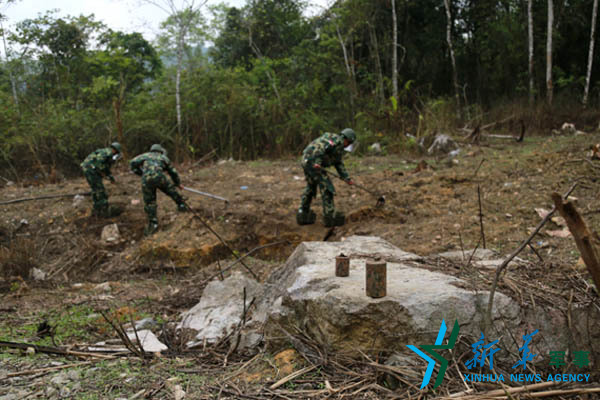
(48, 369)
(233, 264)
(291, 376)
(505, 263)
(207, 226)
(53, 350)
(477, 133)
(51, 196)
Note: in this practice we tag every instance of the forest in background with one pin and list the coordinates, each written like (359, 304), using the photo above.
(265, 79)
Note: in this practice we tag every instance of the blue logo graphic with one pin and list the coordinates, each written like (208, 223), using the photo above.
(429, 348)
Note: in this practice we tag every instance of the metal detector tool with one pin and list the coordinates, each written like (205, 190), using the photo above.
(212, 196)
(380, 197)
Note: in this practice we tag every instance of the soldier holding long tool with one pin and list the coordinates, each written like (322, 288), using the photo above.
(151, 167)
(321, 153)
(95, 167)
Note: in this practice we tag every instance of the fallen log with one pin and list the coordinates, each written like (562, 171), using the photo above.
(51, 196)
(477, 133)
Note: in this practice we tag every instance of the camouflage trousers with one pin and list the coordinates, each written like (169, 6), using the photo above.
(151, 182)
(317, 179)
(99, 196)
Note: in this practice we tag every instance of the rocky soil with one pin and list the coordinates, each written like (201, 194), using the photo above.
(432, 206)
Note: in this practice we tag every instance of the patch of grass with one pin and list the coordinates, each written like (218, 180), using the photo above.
(259, 163)
(73, 324)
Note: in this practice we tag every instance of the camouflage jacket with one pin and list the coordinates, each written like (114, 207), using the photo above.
(326, 150)
(154, 163)
(100, 160)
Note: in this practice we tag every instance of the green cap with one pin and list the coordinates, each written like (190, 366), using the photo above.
(349, 135)
(158, 148)
(116, 146)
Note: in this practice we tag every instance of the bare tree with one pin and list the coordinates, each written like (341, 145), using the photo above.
(394, 51)
(11, 76)
(590, 53)
(452, 58)
(549, 84)
(379, 87)
(349, 68)
(530, 34)
(182, 18)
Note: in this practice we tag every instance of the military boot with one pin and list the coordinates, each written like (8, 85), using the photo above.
(150, 229)
(114, 211)
(101, 212)
(182, 207)
(329, 220)
(305, 216)
(339, 218)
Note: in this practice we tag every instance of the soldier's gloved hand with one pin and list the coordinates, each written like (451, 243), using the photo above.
(180, 187)
(349, 181)
(317, 166)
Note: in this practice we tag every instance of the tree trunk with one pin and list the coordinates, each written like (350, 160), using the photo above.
(452, 59)
(586, 243)
(549, 84)
(271, 77)
(379, 88)
(394, 52)
(10, 74)
(118, 121)
(178, 141)
(117, 107)
(590, 53)
(349, 69)
(530, 34)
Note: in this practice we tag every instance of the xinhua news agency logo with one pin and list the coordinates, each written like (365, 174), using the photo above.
(429, 349)
(483, 354)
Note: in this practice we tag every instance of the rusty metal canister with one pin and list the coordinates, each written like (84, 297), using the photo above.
(376, 278)
(342, 265)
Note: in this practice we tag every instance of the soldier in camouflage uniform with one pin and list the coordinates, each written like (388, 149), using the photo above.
(95, 167)
(151, 166)
(323, 152)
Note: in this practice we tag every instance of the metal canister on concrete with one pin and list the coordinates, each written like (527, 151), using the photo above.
(342, 265)
(376, 278)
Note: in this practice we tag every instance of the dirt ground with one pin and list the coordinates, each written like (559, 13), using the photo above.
(431, 206)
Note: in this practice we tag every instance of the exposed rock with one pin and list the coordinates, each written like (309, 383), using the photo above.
(103, 287)
(305, 295)
(78, 201)
(568, 128)
(38, 275)
(149, 341)
(110, 234)
(442, 144)
(60, 379)
(146, 323)
(220, 308)
(375, 148)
